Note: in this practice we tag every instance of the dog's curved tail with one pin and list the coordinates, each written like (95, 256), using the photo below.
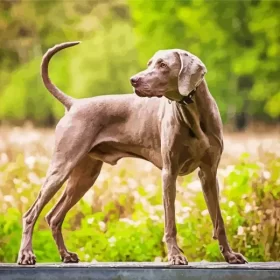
(66, 100)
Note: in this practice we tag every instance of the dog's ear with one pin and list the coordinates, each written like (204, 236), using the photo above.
(191, 73)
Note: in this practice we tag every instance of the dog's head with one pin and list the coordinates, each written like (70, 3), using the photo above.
(172, 73)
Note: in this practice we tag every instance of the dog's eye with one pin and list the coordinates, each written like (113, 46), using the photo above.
(162, 65)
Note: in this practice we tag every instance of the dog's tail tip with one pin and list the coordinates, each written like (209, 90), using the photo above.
(74, 43)
(65, 45)
(51, 51)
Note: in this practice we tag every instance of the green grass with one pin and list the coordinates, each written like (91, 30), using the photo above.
(121, 217)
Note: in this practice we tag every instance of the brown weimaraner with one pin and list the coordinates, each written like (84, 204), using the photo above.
(178, 133)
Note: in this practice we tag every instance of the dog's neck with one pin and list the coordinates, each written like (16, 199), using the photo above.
(198, 98)
(199, 110)
(187, 99)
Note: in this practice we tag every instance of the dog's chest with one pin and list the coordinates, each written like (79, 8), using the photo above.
(191, 154)
(189, 166)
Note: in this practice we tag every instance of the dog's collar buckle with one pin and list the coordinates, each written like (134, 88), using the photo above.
(188, 99)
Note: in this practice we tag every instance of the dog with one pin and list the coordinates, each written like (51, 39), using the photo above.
(171, 120)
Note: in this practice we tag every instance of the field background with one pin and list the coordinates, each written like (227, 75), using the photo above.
(121, 217)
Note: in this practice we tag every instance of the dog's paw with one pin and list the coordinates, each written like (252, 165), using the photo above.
(70, 258)
(26, 257)
(235, 258)
(178, 259)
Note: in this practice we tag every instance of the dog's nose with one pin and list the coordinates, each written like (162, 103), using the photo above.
(134, 80)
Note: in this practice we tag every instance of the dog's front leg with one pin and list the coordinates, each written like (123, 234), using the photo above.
(175, 255)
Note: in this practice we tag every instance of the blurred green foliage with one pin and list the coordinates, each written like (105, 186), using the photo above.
(237, 40)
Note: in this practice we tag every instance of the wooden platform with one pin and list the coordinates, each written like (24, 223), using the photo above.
(141, 271)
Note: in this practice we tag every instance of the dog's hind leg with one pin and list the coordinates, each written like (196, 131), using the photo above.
(210, 186)
(69, 150)
(80, 180)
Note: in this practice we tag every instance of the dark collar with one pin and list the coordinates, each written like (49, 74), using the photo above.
(187, 99)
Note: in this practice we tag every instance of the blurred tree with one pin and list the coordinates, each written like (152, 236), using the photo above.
(237, 40)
